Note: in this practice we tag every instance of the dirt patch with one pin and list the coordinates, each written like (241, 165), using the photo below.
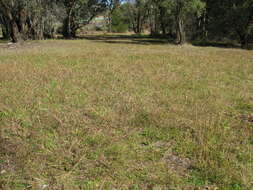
(249, 118)
(14, 46)
(177, 164)
(246, 117)
(201, 188)
(30, 45)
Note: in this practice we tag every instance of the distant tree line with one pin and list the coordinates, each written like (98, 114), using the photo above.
(181, 20)
(192, 19)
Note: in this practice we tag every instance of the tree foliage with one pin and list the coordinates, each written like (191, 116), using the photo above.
(79, 13)
(232, 19)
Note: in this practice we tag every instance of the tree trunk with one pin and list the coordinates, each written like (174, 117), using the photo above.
(138, 26)
(163, 30)
(21, 22)
(14, 30)
(181, 39)
(67, 26)
(162, 22)
(155, 24)
(163, 27)
(15, 34)
(36, 28)
(243, 37)
(204, 25)
(244, 42)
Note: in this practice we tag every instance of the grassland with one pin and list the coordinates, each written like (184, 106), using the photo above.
(125, 113)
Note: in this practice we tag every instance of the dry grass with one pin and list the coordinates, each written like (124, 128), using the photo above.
(111, 113)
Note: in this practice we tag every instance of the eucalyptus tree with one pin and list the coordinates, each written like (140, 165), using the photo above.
(160, 17)
(14, 16)
(26, 19)
(182, 10)
(137, 12)
(80, 13)
(154, 17)
(43, 15)
(163, 15)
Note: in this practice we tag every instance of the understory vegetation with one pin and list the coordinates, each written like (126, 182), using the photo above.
(125, 112)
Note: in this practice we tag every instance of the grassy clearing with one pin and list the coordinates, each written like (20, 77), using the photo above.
(119, 113)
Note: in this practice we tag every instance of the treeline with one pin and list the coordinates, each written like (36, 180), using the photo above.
(38, 19)
(181, 20)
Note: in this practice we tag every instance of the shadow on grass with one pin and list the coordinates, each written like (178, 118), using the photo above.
(127, 39)
(215, 44)
(145, 40)
(149, 40)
